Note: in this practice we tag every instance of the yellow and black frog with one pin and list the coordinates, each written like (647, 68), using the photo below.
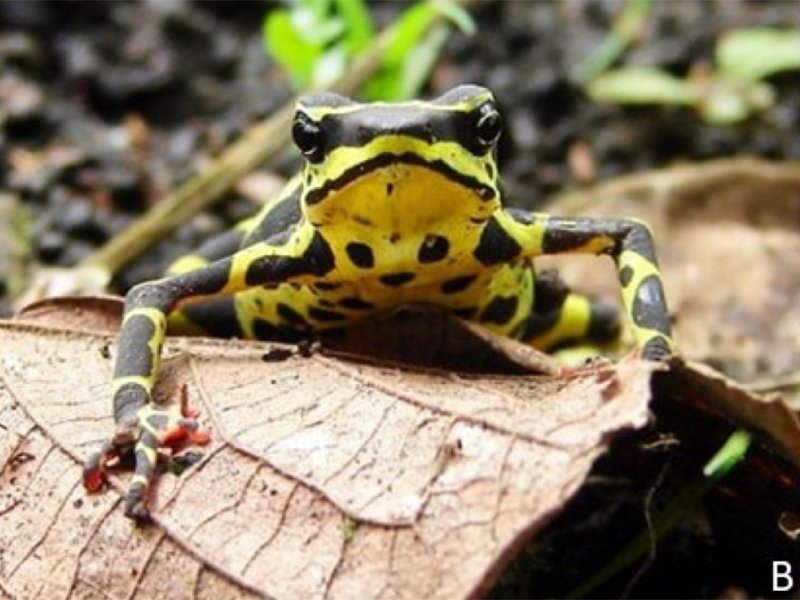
(395, 203)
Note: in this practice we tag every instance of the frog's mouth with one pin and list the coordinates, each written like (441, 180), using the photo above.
(383, 163)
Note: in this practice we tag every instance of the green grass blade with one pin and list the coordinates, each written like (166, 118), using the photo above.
(359, 29)
(641, 85)
(289, 48)
(732, 452)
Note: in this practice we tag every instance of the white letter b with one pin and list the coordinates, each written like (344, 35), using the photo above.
(781, 576)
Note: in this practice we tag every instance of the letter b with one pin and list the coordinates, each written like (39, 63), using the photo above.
(781, 576)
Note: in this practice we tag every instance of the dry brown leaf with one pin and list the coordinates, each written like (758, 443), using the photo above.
(92, 314)
(324, 477)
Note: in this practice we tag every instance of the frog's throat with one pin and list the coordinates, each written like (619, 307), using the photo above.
(393, 194)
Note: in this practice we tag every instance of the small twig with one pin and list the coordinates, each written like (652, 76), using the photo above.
(651, 531)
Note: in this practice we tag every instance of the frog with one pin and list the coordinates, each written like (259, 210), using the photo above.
(394, 203)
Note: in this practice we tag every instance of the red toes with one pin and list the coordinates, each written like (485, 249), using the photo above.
(183, 433)
(93, 480)
(200, 437)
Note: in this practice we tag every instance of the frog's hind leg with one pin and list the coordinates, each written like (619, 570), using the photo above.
(564, 318)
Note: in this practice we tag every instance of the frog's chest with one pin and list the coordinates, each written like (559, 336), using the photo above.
(401, 222)
(500, 298)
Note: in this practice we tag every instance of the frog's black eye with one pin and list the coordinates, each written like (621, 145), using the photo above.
(488, 125)
(309, 137)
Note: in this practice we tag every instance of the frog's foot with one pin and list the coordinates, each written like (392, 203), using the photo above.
(157, 431)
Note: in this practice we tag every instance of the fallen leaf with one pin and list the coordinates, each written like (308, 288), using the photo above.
(92, 314)
(428, 336)
(324, 477)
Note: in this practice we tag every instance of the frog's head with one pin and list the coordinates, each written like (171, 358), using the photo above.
(402, 166)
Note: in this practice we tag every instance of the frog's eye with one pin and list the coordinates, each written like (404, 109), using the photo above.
(488, 125)
(309, 137)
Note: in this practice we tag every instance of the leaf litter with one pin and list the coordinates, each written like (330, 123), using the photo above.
(440, 476)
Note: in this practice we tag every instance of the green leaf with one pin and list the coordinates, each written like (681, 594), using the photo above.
(752, 54)
(388, 83)
(384, 85)
(421, 60)
(730, 101)
(301, 39)
(289, 48)
(724, 106)
(410, 53)
(727, 457)
(415, 21)
(407, 30)
(641, 85)
(457, 15)
(320, 9)
(315, 28)
(358, 28)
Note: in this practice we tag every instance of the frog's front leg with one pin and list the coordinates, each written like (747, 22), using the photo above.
(140, 424)
(512, 233)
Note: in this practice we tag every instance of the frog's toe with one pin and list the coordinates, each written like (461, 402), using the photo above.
(182, 432)
(136, 505)
(114, 453)
(94, 469)
(137, 498)
(657, 349)
(161, 429)
(157, 430)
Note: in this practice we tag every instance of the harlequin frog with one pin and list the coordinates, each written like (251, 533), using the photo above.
(395, 203)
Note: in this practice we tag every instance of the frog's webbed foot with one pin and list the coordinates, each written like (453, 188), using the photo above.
(158, 431)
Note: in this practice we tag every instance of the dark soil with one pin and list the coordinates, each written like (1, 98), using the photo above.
(104, 107)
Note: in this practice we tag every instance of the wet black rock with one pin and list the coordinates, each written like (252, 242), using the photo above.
(20, 51)
(50, 245)
(22, 107)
